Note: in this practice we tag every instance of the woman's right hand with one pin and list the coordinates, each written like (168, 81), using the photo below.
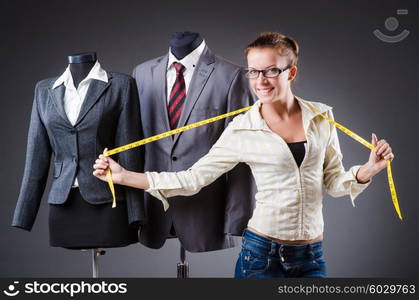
(102, 163)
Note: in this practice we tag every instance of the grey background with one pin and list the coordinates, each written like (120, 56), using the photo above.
(372, 86)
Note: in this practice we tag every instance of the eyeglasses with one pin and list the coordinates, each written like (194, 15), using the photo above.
(268, 73)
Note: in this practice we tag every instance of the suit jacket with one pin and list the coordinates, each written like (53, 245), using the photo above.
(109, 117)
(202, 222)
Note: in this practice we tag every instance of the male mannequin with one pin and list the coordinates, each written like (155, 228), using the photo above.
(75, 116)
(183, 43)
(203, 222)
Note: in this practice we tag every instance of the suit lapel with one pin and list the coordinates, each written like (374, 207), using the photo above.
(199, 79)
(57, 95)
(159, 89)
(96, 88)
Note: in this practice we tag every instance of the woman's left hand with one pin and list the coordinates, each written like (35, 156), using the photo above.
(377, 160)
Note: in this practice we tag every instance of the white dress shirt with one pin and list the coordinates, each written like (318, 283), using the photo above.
(189, 62)
(289, 198)
(73, 98)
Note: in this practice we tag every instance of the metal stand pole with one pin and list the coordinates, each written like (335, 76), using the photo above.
(95, 263)
(183, 266)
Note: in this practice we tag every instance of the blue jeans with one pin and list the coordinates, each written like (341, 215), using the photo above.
(262, 257)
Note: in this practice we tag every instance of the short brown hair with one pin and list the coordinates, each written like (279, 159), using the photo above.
(286, 45)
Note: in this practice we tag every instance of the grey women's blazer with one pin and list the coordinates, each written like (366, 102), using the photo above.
(203, 221)
(109, 117)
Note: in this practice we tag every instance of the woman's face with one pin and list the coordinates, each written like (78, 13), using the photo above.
(273, 89)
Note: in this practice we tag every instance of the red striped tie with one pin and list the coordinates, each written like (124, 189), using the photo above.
(177, 96)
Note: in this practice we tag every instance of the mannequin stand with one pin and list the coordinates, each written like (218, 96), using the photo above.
(183, 266)
(95, 261)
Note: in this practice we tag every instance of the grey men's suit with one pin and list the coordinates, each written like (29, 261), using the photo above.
(204, 221)
(108, 118)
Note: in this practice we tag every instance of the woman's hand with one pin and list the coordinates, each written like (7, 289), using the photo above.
(102, 163)
(377, 160)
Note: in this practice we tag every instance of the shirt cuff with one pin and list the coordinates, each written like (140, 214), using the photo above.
(356, 187)
(152, 178)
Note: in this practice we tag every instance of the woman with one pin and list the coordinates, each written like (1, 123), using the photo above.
(293, 152)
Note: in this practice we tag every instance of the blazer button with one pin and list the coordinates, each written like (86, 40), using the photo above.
(174, 158)
(73, 131)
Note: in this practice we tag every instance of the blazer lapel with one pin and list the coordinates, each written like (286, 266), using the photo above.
(57, 95)
(96, 88)
(159, 90)
(200, 77)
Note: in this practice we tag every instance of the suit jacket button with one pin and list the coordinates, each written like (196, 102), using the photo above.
(174, 158)
(72, 131)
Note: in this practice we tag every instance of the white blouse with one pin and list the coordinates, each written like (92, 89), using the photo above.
(289, 198)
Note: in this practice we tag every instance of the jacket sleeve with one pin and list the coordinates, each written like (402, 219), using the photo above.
(129, 130)
(239, 94)
(38, 156)
(222, 157)
(336, 180)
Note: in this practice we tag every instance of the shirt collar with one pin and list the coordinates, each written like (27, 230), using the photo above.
(95, 73)
(190, 60)
(253, 119)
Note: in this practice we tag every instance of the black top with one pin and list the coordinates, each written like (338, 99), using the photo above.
(298, 150)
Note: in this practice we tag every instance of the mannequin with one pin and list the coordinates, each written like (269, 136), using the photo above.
(80, 66)
(210, 86)
(183, 43)
(73, 126)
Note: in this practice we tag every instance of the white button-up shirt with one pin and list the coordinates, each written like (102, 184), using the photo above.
(189, 62)
(289, 198)
(74, 98)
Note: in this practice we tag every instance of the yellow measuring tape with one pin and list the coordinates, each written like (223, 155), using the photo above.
(213, 119)
(159, 137)
(372, 147)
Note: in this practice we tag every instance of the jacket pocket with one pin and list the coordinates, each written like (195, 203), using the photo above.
(57, 169)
